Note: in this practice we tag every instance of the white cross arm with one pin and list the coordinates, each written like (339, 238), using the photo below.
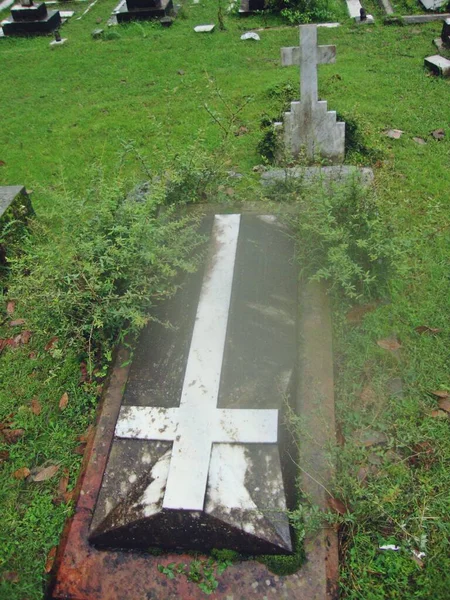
(147, 422)
(293, 55)
(246, 426)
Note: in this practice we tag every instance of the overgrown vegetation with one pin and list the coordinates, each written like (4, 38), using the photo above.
(56, 122)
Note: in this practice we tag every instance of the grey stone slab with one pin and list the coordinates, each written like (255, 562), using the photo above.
(9, 193)
(433, 4)
(387, 6)
(309, 127)
(200, 454)
(438, 64)
(412, 19)
(333, 174)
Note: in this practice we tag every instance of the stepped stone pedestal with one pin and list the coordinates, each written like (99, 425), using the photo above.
(144, 10)
(28, 18)
(310, 127)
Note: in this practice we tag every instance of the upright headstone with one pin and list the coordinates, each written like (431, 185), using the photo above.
(445, 35)
(143, 10)
(28, 18)
(310, 127)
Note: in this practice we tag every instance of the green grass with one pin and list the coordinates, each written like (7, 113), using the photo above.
(64, 109)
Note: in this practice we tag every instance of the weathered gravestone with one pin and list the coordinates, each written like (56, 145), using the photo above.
(143, 10)
(199, 459)
(310, 127)
(445, 35)
(28, 18)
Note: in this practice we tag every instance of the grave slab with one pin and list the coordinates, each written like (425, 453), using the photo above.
(248, 365)
(15, 209)
(143, 10)
(207, 454)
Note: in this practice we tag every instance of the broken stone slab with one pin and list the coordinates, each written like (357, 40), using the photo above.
(97, 34)
(438, 65)
(204, 28)
(333, 174)
(15, 210)
(60, 42)
(250, 35)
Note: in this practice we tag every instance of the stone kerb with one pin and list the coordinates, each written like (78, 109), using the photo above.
(309, 127)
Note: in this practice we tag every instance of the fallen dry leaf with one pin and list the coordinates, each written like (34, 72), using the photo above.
(11, 576)
(2, 163)
(391, 344)
(394, 134)
(356, 314)
(368, 395)
(441, 394)
(84, 373)
(63, 482)
(419, 140)
(25, 336)
(32, 356)
(22, 473)
(444, 404)
(337, 505)
(50, 560)
(438, 134)
(12, 436)
(10, 307)
(425, 329)
(241, 131)
(36, 407)
(439, 414)
(63, 401)
(80, 449)
(51, 343)
(17, 323)
(45, 473)
(4, 456)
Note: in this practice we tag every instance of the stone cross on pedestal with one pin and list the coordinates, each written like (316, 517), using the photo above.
(309, 126)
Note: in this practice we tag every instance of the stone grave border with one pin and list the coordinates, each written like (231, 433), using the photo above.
(81, 572)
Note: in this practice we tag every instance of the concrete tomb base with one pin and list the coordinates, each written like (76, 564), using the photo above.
(31, 20)
(144, 10)
(155, 473)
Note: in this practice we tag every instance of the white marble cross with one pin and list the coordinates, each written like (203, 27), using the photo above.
(308, 56)
(198, 423)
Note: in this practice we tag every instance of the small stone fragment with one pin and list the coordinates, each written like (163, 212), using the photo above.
(394, 134)
(250, 35)
(204, 28)
(419, 140)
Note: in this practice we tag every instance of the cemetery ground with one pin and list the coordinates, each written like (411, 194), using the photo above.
(82, 124)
